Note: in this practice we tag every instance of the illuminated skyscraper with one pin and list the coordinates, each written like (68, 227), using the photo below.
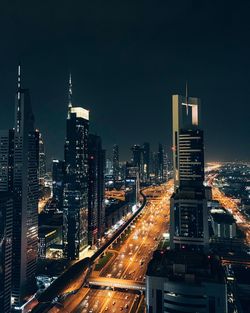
(42, 158)
(186, 115)
(185, 278)
(75, 203)
(188, 214)
(137, 151)
(146, 161)
(25, 188)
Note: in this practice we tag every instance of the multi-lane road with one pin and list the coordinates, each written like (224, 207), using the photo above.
(129, 262)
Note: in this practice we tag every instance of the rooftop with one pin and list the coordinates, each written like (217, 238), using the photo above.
(186, 266)
(223, 218)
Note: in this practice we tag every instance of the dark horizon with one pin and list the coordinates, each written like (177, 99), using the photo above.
(126, 61)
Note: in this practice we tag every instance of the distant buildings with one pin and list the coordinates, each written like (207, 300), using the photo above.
(146, 162)
(116, 162)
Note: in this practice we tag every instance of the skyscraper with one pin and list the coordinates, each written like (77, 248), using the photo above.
(116, 162)
(146, 161)
(96, 214)
(6, 160)
(186, 115)
(185, 278)
(75, 203)
(25, 188)
(42, 158)
(160, 163)
(58, 172)
(6, 216)
(188, 214)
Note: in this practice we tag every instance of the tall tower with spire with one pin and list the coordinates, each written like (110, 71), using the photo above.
(75, 203)
(25, 189)
(186, 115)
(188, 213)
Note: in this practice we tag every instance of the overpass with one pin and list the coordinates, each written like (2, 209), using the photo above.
(115, 194)
(117, 283)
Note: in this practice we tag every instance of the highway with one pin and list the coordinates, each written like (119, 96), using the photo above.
(136, 251)
(130, 260)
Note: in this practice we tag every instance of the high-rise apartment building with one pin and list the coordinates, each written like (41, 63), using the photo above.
(75, 202)
(25, 188)
(146, 162)
(42, 158)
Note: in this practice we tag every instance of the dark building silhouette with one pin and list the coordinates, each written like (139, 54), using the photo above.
(58, 173)
(26, 189)
(96, 210)
(6, 159)
(6, 237)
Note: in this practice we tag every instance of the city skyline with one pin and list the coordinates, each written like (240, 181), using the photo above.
(117, 67)
(125, 157)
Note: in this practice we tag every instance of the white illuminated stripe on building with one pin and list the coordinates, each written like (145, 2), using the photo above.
(80, 112)
(194, 108)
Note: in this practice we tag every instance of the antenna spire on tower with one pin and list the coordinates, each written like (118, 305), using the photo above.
(70, 94)
(19, 76)
(70, 90)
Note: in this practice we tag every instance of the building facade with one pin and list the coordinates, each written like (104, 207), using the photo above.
(75, 197)
(6, 237)
(26, 190)
(96, 209)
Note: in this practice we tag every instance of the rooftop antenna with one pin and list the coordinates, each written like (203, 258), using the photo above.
(70, 94)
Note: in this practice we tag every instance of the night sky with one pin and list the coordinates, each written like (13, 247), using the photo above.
(127, 58)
